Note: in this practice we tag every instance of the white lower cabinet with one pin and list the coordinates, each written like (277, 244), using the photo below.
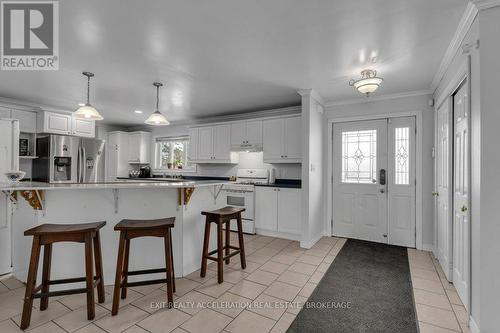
(278, 211)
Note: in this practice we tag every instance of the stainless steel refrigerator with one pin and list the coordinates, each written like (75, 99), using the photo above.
(69, 159)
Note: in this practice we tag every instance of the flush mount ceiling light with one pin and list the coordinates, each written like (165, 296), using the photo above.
(156, 118)
(368, 83)
(87, 111)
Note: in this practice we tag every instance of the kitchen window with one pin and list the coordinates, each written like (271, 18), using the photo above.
(171, 153)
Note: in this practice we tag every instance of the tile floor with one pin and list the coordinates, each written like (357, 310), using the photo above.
(278, 272)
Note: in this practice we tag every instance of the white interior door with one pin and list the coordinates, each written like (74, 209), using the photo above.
(360, 198)
(401, 181)
(461, 193)
(443, 193)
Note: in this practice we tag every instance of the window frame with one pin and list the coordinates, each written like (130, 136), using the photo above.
(157, 154)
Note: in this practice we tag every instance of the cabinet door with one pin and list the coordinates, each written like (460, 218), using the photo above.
(273, 139)
(193, 144)
(27, 120)
(293, 142)
(254, 132)
(238, 134)
(205, 143)
(112, 153)
(289, 210)
(144, 150)
(56, 123)
(222, 144)
(134, 147)
(266, 208)
(83, 127)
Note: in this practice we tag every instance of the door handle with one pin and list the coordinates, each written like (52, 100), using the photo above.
(382, 176)
(464, 208)
(435, 194)
(382, 190)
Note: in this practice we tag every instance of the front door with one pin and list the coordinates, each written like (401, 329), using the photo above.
(461, 193)
(374, 180)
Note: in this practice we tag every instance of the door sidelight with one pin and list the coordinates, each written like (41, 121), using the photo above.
(382, 176)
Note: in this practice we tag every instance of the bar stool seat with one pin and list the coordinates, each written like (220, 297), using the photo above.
(130, 229)
(47, 234)
(220, 217)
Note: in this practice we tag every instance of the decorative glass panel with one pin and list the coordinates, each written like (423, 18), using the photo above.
(359, 157)
(402, 156)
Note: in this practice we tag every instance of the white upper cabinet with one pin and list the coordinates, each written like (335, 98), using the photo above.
(292, 147)
(138, 147)
(193, 144)
(65, 123)
(205, 143)
(83, 127)
(254, 132)
(55, 123)
(282, 140)
(273, 139)
(212, 144)
(27, 120)
(222, 146)
(246, 134)
(4, 112)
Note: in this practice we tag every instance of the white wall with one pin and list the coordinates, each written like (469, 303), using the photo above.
(247, 160)
(313, 214)
(394, 106)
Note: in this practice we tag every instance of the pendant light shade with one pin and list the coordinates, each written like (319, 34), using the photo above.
(368, 83)
(156, 118)
(87, 111)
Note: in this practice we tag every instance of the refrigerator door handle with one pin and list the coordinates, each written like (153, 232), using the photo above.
(79, 166)
(84, 165)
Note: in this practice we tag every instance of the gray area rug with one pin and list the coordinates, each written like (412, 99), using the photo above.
(366, 289)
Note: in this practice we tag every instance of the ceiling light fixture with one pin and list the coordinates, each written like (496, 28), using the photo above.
(87, 111)
(368, 83)
(156, 118)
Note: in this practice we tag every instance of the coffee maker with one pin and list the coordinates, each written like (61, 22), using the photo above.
(145, 172)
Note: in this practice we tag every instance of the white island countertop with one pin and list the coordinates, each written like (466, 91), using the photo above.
(118, 184)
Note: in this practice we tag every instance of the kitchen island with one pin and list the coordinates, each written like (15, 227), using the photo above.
(34, 203)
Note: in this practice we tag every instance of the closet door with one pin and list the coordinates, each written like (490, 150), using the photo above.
(444, 149)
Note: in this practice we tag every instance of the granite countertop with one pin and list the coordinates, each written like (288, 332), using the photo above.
(125, 184)
(284, 183)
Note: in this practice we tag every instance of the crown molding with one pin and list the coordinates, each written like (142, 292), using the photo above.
(362, 100)
(279, 112)
(485, 4)
(464, 25)
(313, 93)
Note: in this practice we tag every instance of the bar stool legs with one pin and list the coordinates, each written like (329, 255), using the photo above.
(130, 229)
(46, 235)
(30, 283)
(222, 217)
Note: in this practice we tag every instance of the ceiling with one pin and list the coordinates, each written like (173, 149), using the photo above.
(231, 56)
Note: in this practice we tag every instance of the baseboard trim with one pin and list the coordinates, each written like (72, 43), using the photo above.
(428, 247)
(310, 243)
(276, 234)
(474, 328)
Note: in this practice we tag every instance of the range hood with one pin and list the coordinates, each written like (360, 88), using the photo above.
(247, 147)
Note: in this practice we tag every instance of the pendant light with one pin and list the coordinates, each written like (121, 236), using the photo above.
(87, 111)
(156, 118)
(368, 83)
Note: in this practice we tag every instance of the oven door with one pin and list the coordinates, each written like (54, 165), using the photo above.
(240, 199)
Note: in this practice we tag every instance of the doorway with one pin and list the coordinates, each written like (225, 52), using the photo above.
(374, 180)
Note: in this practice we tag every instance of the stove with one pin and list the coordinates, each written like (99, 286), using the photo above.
(241, 194)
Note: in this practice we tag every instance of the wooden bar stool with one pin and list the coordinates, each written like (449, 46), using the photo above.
(219, 217)
(143, 228)
(46, 235)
